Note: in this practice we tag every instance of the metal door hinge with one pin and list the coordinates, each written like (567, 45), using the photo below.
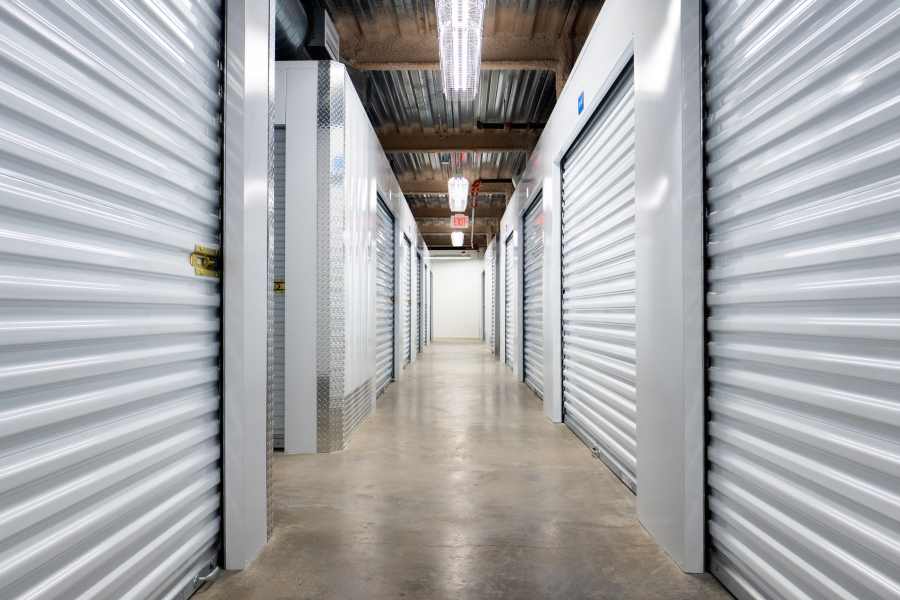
(278, 286)
(205, 261)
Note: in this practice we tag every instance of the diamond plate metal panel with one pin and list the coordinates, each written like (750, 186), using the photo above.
(331, 281)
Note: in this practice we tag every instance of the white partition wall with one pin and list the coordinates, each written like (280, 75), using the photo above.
(457, 311)
(335, 172)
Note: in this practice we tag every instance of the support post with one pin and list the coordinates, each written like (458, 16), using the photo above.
(247, 143)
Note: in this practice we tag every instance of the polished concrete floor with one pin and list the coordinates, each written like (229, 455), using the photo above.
(457, 487)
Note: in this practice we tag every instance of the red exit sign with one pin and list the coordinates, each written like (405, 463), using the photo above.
(459, 221)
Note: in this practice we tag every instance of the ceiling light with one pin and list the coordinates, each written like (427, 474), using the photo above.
(458, 190)
(457, 238)
(459, 37)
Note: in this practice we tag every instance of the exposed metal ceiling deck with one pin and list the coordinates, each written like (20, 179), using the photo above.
(414, 100)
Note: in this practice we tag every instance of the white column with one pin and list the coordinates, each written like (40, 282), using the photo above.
(248, 77)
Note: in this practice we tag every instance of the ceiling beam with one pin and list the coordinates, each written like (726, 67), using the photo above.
(482, 141)
(439, 186)
(534, 64)
(442, 240)
(444, 212)
(421, 53)
(433, 225)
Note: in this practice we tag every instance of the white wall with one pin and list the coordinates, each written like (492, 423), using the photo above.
(663, 38)
(457, 298)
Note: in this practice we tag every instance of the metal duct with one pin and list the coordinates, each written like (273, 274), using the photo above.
(291, 29)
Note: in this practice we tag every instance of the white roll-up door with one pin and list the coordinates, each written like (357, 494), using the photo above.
(430, 304)
(492, 298)
(406, 293)
(109, 357)
(420, 293)
(427, 288)
(598, 281)
(509, 326)
(277, 337)
(533, 296)
(384, 310)
(803, 217)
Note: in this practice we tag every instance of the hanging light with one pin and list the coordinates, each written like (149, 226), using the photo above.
(458, 191)
(457, 238)
(459, 37)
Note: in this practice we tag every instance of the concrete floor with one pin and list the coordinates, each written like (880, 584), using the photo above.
(457, 487)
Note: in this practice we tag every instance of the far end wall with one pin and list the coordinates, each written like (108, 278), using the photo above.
(457, 298)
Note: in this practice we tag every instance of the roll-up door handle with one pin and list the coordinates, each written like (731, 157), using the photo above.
(205, 261)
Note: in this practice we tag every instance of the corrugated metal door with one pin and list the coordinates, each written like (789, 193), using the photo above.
(598, 281)
(431, 306)
(384, 357)
(109, 356)
(533, 296)
(277, 338)
(509, 326)
(492, 296)
(427, 326)
(804, 298)
(406, 293)
(420, 334)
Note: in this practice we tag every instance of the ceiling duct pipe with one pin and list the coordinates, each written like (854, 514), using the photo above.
(291, 30)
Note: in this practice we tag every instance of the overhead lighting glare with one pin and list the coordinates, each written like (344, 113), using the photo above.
(457, 238)
(459, 38)
(458, 191)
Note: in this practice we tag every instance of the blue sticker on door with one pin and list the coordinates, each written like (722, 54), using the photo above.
(580, 102)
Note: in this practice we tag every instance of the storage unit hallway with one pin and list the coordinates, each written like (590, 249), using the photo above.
(451, 490)
(475, 299)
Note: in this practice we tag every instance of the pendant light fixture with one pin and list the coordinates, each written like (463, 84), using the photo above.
(458, 192)
(457, 238)
(459, 37)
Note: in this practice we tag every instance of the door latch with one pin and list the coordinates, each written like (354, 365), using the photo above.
(278, 286)
(205, 261)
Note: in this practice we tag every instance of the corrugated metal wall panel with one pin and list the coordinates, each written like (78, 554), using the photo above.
(384, 311)
(803, 151)
(533, 296)
(277, 339)
(598, 281)
(509, 326)
(109, 358)
(406, 293)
